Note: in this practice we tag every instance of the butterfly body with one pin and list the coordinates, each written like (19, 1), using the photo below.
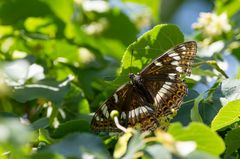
(151, 97)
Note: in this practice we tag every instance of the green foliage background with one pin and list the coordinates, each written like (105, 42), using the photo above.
(59, 60)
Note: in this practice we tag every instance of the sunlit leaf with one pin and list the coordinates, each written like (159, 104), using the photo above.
(206, 140)
(147, 47)
(228, 115)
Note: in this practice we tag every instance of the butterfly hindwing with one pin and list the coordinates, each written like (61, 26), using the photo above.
(101, 120)
(133, 110)
(167, 97)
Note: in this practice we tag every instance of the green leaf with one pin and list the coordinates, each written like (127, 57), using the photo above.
(206, 140)
(228, 115)
(210, 106)
(155, 150)
(121, 145)
(231, 7)
(80, 145)
(57, 6)
(71, 126)
(147, 47)
(42, 155)
(45, 137)
(201, 72)
(200, 155)
(135, 144)
(15, 11)
(232, 141)
(40, 123)
(195, 115)
(49, 89)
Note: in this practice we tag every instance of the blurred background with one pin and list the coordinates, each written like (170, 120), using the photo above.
(59, 57)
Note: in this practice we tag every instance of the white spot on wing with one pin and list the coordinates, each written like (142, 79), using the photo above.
(168, 83)
(171, 76)
(166, 86)
(97, 118)
(123, 115)
(105, 110)
(140, 110)
(130, 114)
(176, 58)
(115, 98)
(157, 63)
(179, 69)
(183, 48)
(176, 63)
(173, 54)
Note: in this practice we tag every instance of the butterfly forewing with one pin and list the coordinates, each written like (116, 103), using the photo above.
(174, 62)
(150, 100)
(101, 120)
(134, 111)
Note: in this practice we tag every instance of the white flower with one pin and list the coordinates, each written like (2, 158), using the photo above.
(16, 73)
(97, 6)
(208, 50)
(96, 27)
(212, 25)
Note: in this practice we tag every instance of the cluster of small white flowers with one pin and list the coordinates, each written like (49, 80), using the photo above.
(96, 27)
(212, 25)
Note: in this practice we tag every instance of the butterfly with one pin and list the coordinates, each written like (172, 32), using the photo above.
(152, 97)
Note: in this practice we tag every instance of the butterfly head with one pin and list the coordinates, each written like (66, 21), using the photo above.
(131, 76)
(135, 78)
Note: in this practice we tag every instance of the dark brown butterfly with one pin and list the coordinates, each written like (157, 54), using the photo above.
(152, 97)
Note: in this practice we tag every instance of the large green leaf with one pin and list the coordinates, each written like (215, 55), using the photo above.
(79, 145)
(147, 47)
(70, 127)
(232, 141)
(57, 6)
(210, 106)
(13, 11)
(49, 89)
(205, 138)
(40, 123)
(200, 155)
(228, 115)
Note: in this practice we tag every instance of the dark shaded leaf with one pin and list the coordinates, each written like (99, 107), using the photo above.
(79, 145)
(232, 141)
